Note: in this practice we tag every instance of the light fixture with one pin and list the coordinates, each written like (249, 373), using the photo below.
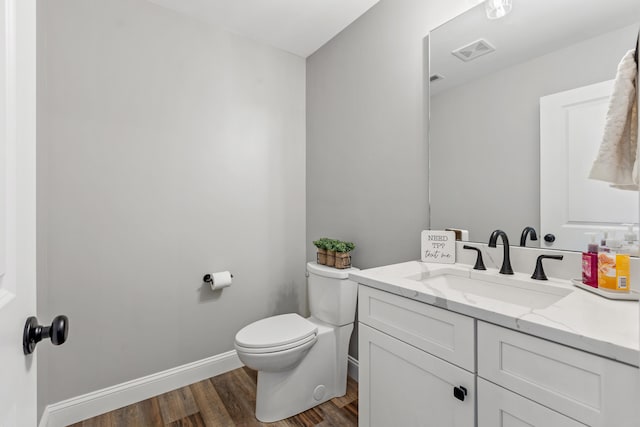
(496, 9)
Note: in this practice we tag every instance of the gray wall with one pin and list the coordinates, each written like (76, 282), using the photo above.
(367, 166)
(366, 152)
(485, 136)
(167, 150)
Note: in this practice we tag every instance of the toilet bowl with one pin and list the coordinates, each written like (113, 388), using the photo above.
(277, 343)
(302, 362)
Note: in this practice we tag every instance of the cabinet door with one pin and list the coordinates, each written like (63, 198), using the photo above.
(593, 390)
(445, 334)
(401, 385)
(498, 407)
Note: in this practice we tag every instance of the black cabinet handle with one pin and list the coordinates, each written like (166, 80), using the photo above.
(34, 333)
(459, 393)
(549, 238)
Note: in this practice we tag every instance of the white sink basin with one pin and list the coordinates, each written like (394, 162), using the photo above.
(524, 293)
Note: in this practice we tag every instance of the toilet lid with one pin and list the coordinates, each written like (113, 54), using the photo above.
(279, 348)
(275, 331)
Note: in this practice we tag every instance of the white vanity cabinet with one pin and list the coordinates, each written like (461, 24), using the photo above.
(499, 407)
(589, 389)
(404, 380)
(413, 355)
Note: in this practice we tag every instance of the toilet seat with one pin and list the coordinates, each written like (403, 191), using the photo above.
(274, 349)
(277, 333)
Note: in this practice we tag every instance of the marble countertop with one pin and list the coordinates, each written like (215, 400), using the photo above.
(582, 320)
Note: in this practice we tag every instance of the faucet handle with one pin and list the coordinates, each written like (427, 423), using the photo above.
(538, 274)
(479, 263)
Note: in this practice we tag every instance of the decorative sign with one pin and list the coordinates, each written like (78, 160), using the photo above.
(439, 246)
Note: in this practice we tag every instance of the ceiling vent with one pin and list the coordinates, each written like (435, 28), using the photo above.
(435, 78)
(474, 50)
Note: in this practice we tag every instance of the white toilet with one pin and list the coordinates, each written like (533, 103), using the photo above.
(302, 362)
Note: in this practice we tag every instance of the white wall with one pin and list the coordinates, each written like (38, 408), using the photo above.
(168, 149)
(367, 165)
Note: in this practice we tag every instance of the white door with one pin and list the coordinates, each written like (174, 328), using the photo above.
(17, 209)
(401, 385)
(571, 129)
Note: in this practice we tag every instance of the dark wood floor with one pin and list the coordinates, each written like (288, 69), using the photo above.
(225, 400)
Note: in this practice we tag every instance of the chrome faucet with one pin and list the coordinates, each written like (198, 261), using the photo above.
(506, 261)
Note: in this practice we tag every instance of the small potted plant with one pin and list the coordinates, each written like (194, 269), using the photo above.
(321, 244)
(330, 244)
(343, 256)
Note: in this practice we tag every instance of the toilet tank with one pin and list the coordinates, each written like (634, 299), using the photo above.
(332, 296)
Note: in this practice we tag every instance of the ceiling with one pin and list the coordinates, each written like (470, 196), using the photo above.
(297, 26)
(530, 30)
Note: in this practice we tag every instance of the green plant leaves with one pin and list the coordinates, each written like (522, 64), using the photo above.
(334, 245)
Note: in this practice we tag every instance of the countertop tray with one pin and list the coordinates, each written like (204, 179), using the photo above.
(606, 294)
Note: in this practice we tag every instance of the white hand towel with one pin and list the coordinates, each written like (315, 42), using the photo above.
(618, 158)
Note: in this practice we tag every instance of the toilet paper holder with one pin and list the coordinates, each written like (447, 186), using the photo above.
(208, 278)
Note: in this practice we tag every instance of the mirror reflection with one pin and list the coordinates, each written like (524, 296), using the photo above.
(517, 118)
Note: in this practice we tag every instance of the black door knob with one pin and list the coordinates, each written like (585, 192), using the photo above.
(34, 333)
(549, 238)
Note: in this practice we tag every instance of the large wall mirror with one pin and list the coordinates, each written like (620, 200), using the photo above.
(516, 120)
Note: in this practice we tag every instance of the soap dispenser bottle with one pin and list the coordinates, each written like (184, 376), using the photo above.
(590, 263)
(630, 244)
(592, 247)
(613, 267)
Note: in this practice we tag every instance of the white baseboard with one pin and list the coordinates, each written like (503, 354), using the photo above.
(44, 420)
(79, 408)
(352, 368)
